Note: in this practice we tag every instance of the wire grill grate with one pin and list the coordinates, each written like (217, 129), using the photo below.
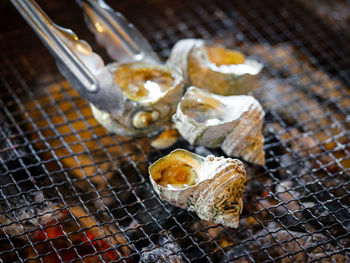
(74, 193)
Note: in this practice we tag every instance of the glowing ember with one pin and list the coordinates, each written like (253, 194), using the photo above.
(63, 240)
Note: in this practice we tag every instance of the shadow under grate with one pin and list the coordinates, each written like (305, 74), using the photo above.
(72, 192)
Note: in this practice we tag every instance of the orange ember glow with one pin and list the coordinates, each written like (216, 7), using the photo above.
(264, 193)
(63, 241)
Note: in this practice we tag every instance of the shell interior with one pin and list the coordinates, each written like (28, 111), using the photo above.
(222, 56)
(180, 169)
(229, 61)
(143, 84)
(211, 109)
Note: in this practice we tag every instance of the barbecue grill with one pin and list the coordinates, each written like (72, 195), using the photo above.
(96, 202)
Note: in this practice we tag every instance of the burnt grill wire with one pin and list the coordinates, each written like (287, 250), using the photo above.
(95, 184)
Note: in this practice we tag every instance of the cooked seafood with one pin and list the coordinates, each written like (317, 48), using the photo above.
(211, 186)
(166, 139)
(233, 123)
(214, 68)
(151, 93)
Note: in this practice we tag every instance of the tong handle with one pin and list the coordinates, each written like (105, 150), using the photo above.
(59, 41)
(123, 42)
(83, 69)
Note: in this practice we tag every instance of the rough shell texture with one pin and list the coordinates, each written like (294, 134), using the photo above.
(233, 123)
(178, 57)
(191, 56)
(142, 115)
(217, 192)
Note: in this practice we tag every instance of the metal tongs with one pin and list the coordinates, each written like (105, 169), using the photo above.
(75, 59)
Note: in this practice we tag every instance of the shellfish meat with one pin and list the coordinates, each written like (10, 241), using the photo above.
(166, 139)
(150, 95)
(233, 123)
(211, 186)
(215, 68)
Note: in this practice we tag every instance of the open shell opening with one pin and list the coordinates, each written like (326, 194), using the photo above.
(150, 97)
(203, 108)
(143, 84)
(233, 123)
(223, 56)
(215, 68)
(177, 170)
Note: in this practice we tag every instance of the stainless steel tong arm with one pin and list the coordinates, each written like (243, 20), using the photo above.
(55, 39)
(83, 69)
(123, 42)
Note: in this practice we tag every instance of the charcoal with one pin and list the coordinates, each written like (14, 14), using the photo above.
(165, 251)
(262, 245)
(20, 199)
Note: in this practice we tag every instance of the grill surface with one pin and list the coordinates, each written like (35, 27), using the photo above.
(296, 207)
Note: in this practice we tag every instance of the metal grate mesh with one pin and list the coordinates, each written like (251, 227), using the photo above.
(72, 192)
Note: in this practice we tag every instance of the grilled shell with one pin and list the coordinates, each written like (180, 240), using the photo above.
(212, 187)
(233, 123)
(150, 95)
(214, 68)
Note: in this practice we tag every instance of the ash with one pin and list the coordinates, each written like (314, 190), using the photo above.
(166, 252)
